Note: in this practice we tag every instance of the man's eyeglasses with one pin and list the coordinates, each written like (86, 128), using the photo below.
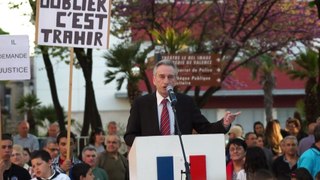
(53, 149)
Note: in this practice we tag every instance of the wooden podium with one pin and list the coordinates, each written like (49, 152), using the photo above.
(146, 151)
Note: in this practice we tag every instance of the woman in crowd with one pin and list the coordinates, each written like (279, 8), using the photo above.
(255, 160)
(16, 156)
(294, 128)
(96, 140)
(235, 167)
(273, 137)
(258, 128)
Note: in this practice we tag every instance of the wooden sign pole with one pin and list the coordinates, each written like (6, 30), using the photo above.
(70, 101)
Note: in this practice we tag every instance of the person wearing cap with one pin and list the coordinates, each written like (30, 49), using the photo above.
(235, 132)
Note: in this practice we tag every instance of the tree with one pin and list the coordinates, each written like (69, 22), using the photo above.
(122, 59)
(308, 68)
(28, 104)
(263, 67)
(52, 83)
(173, 41)
(230, 28)
(91, 114)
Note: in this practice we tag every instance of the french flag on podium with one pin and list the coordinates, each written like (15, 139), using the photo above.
(169, 167)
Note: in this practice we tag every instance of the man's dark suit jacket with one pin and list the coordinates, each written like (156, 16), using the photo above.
(143, 119)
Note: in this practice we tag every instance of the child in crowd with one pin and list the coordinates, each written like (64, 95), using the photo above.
(41, 164)
(82, 171)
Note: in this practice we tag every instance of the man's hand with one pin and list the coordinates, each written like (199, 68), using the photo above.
(66, 165)
(229, 118)
(4, 165)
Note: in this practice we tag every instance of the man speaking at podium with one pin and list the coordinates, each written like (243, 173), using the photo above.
(152, 114)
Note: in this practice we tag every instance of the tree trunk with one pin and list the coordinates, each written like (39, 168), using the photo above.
(268, 86)
(311, 100)
(53, 88)
(91, 113)
(32, 123)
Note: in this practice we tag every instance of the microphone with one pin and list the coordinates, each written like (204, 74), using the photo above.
(172, 96)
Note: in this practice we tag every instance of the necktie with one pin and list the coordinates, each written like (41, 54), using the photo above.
(165, 121)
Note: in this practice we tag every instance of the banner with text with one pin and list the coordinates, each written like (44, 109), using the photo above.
(14, 57)
(196, 69)
(76, 23)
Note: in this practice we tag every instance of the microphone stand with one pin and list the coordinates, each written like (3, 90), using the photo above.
(186, 164)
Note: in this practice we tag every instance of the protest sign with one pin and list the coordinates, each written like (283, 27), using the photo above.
(14, 57)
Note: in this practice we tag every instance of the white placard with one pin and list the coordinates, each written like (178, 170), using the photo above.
(14, 57)
(76, 23)
(145, 150)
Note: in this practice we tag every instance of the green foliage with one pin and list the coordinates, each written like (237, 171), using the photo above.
(120, 61)
(172, 40)
(308, 63)
(27, 103)
(308, 69)
(3, 32)
(45, 113)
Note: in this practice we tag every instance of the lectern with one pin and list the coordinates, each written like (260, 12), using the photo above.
(161, 158)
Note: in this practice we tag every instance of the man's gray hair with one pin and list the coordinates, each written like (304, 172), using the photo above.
(166, 62)
(88, 148)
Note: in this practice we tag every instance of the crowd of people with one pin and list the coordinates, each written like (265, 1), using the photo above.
(22, 157)
(270, 152)
(266, 152)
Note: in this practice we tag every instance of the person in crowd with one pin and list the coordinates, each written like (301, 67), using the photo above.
(89, 156)
(255, 159)
(301, 174)
(113, 162)
(283, 132)
(263, 174)
(112, 128)
(250, 139)
(82, 171)
(25, 139)
(26, 155)
(241, 127)
(41, 164)
(53, 131)
(310, 159)
(294, 129)
(18, 159)
(96, 140)
(235, 132)
(9, 170)
(285, 164)
(61, 163)
(267, 151)
(235, 167)
(258, 128)
(146, 118)
(260, 141)
(306, 143)
(16, 156)
(273, 137)
(52, 148)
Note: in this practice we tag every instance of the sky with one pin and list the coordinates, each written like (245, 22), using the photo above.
(17, 21)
